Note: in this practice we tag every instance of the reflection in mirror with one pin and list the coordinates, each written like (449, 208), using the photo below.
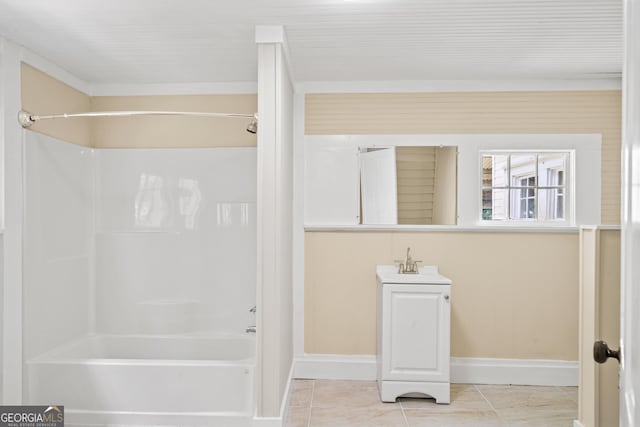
(524, 186)
(408, 185)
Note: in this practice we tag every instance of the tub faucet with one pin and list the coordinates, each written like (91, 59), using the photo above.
(409, 266)
(250, 330)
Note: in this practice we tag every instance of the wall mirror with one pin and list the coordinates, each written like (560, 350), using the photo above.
(408, 185)
(351, 184)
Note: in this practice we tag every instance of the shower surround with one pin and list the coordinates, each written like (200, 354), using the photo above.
(137, 263)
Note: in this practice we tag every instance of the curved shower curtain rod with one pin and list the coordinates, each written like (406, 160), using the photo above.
(26, 118)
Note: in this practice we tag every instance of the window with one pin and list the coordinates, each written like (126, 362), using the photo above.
(524, 186)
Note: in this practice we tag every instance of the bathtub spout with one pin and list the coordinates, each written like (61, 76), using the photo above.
(250, 330)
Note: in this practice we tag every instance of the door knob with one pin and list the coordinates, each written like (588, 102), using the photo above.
(601, 352)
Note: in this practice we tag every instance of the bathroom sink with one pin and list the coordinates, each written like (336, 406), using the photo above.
(427, 275)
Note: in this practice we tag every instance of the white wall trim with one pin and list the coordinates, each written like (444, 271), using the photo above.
(276, 34)
(586, 150)
(205, 88)
(335, 367)
(442, 228)
(274, 204)
(514, 371)
(463, 370)
(11, 140)
(459, 85)
(267, 422)
(288, 391)
(269, 34)
(607, 227)
(298, 224)
(284, 408)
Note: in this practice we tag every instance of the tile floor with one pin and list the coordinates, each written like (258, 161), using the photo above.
(316, 403)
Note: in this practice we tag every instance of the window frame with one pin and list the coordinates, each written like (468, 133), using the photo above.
(568, 187)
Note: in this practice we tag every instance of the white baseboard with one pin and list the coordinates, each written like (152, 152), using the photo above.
(473, 370)
(284, 407)
(335, 367)
(267, 422)
(463, 370)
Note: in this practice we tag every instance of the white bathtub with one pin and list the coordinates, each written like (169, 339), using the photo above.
(148, 380)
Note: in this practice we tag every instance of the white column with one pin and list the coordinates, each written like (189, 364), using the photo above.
(274, 257)
(12, 202)
(630, 286)
(298, 225)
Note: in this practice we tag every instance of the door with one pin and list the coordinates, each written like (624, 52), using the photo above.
(630, 277)
(331, 183)
(379, 186)
(415, 332)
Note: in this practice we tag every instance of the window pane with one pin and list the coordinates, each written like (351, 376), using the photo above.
(494, 204)
(523, 170)
(552, 204)
(551, 169)
(494, 171)
(523, 204)
(523, 186)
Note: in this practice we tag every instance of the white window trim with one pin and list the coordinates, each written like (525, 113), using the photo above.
(585, 187)
(587, 175)
(570, 200)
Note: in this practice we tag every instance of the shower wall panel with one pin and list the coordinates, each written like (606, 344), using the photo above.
(58, 234)
(175, 240)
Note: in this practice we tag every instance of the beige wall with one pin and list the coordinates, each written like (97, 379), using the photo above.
(42, 94)
(480, 112)
(514, 295)
(165, 131)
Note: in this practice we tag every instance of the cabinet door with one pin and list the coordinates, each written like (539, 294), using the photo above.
(415, 332)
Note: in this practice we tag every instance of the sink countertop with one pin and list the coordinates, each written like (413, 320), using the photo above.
(427, 275)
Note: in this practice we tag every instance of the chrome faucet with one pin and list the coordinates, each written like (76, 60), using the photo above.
(409, 266)
(251, 329)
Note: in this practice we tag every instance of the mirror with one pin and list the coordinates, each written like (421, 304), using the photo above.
(347, 182)
(408, 185)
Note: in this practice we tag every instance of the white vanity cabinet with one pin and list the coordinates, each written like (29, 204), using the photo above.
(414, 324)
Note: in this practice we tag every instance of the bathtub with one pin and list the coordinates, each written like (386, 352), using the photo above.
(166, 380)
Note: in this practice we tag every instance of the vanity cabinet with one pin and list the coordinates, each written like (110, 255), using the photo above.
(413, 333)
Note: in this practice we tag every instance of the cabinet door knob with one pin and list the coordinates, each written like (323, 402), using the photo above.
(446, 297)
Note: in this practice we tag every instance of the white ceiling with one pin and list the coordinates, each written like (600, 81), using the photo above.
(188, 41)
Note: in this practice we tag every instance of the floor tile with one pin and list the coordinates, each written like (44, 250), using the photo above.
(564, 422)
(572, 392)
(464, 398)
(301, 393)
(357, 417)
(546, 416)
(298, 417)
(420, 418)
(505, 397)
(356, 404)
(348, 394)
